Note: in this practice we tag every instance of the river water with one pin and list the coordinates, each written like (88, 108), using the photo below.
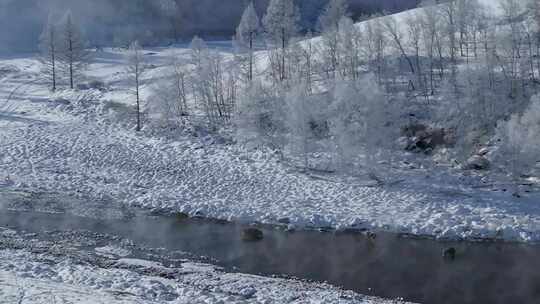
(389, 265)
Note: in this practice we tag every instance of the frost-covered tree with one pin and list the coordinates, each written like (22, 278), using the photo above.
(510, 45)
(259, 117)
(135, 69)
(432, 40)
(375, 46)
(350, 45)
(520, 140)
(281, 25)
(74, 55)
(214, 83)
(247, 32)
(332, 14)
(299, 120)
(361, 121)
(329, 23)
(49, 45)
(168, 103)
(449, 14)
(414, 28)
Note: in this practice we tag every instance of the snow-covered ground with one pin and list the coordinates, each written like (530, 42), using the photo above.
(82, 143)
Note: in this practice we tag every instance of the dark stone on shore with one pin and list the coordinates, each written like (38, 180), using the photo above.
(252, 235)
(181, 216)
(284, 220)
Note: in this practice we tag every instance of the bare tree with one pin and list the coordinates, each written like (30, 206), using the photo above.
(350, 44)
(74, 55)
(375, 46)
(396, 36)
(49, 47)
(449, 15)
(329, 23)
(135, 69)
(431, 31)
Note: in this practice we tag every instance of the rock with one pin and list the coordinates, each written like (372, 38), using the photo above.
(483, 151)
(477, 162)
(181, 216)
(371, 236)
(252, 235)
(284, 220)
(450, 253)
(96, 84)
(82, 86)
(61, 101)
(413, 129)
(428, 140)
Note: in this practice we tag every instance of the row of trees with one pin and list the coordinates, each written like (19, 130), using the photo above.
(63, 50)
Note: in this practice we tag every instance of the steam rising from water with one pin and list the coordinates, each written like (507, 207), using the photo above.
(107, 22)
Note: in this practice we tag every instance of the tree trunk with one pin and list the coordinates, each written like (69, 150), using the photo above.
(53, 62)
(138, 100)
(282, 76)
(71, 64)
(250, 56)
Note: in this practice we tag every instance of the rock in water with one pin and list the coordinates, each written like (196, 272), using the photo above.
(477, 162)
(450, 253)
(181, 216)
(252, 235)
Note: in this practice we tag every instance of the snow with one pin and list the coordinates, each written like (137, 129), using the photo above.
(41, 278)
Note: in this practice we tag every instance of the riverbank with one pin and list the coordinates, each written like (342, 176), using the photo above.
(80, 143)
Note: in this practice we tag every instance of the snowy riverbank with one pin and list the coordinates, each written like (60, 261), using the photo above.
(77, 143)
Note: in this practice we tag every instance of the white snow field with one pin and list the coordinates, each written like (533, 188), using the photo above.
(40, 278)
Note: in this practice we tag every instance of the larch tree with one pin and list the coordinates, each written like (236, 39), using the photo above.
(281, 25)
(329, 23)
(135, 70)
(247, 32)
(350, 38)
(49, 47)
(74, 56)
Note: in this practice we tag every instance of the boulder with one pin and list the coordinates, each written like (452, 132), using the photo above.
(284, 220)
(428, 139)
(181, 216)
(477, 162)
(449, 253)
(252, 235)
